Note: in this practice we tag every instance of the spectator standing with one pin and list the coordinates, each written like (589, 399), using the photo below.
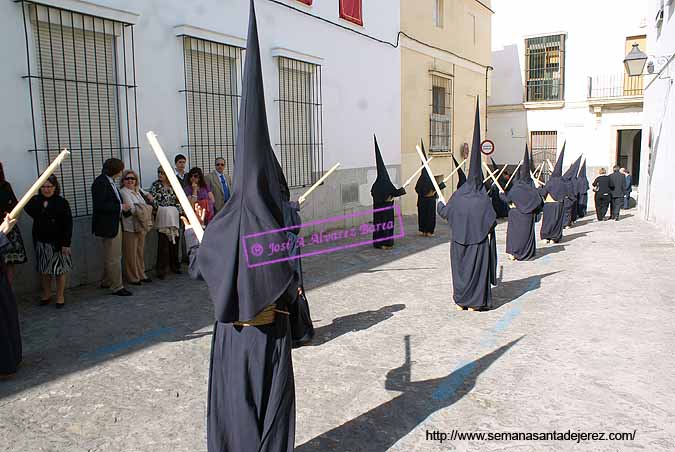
(628, 189)
(603, 194)
(135, 228)
(52, 232)
(108, 210)
(617, 184)
(167, 211)
(220, 184)
(15, 252)
(199, 193)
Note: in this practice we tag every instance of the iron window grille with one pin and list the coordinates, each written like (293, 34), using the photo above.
(545, 68)
(82, 88)
(300, 121)
(440, 119)
(544, 146)
(213, 73)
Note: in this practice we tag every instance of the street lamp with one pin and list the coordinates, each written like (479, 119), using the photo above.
(635, 61)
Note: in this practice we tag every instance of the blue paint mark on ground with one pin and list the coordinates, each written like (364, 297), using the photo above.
(118, 347)
(448, 387)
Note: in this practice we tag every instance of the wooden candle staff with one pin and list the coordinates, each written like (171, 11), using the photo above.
(454, 171)
(431, 175)
(304, 196)
(514, 173)
(175, 184)
(419, 170)
(492, 176)
(38, 183)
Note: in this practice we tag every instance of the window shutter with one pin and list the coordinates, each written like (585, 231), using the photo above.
(351, 10)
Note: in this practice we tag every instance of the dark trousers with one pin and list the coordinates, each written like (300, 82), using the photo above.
(626, 201)
(601, 204)
(167, 255)
(616, 208)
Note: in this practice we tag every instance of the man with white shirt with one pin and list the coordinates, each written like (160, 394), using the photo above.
(180, 161)
(220, 184)
(106, 221)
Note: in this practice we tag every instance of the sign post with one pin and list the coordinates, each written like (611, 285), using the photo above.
(487, 147)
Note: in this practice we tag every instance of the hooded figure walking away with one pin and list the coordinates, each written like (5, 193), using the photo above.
(10, 332)
(582, 188)
(472, 219)
(426, 202)
(302, 327)
(251, 395)
(554, 194)
(461, 177)
(572, 199)
(526, 203)
(501, 207)
(383, 192)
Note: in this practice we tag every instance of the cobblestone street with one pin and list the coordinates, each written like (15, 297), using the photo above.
(581, 339)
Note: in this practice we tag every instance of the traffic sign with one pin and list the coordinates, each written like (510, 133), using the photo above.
(487, 147)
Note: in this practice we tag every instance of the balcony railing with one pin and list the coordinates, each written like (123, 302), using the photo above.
(614, 85)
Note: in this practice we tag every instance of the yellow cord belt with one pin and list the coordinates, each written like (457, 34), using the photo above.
(265, 317)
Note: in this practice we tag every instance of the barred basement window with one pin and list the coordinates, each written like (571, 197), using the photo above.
(544, 146)
(300, 121)
(82, 87)
(212, 94)
(440, 123)
(545, 68)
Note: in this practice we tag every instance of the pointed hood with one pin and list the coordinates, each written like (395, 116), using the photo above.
(525, 172)
(424, 184)
(460, 173)
(582, 181)
(557, 169)
(471, 215)
(240, 292)
(383, 188)
(573, 170)
(475, 176)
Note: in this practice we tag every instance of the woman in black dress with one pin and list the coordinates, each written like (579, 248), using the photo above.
(10, 334)
(16, 251)
(52, 231)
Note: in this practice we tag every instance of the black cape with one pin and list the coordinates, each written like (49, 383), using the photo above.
(572, 199)
(251, 395)
(582, 189)
(461, 177)
(554, 209)
(383, 192)
(472, 219)
(426, 201)
(521, 241)
(10, 332)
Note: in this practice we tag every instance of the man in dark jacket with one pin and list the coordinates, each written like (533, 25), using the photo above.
(617, 183)
(106, 222)
(627, 189)
(603, 194)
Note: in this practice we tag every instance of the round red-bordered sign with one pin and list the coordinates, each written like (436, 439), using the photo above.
(487, 147)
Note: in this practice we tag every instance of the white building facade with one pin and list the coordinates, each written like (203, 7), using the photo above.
(95, 76)
(658, 138)
(559, 77)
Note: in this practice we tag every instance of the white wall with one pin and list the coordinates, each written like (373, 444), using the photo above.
(360, 82)
(658, 191)
(595, 44)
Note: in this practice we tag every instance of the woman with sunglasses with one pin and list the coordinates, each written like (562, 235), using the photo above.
(52, 231)
(199, 193)
(135, 230)
(164, 199)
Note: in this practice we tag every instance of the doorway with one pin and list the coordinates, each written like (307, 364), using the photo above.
(628, 145)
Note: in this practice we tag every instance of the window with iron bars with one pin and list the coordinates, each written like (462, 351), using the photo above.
(544, 148)
(545, 68)
(440, 120)
(300, 121)
(212, 94)
(82, 88)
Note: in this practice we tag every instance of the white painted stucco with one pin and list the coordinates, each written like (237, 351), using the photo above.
(659, 121)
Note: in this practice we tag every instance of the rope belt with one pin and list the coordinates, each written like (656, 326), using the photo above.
(266, 317)
(549, 198)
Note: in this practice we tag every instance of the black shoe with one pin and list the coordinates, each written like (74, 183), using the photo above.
(123, 293)
(103, 286)
(146, 280)
(45, 302)
(161, 277)
(137, 283)
(60, 305)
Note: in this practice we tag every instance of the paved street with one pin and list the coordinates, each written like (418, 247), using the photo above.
(582, 340)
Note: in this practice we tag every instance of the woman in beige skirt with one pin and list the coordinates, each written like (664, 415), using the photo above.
(134, 228)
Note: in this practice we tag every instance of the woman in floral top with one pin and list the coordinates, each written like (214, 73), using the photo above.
(167, 249)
